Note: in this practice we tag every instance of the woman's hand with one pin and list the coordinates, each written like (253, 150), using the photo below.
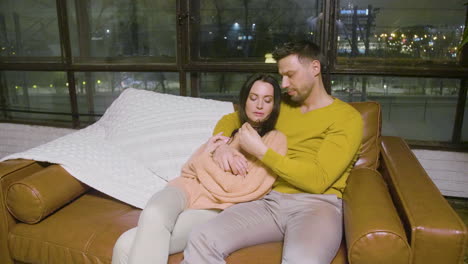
(215, 141)
(231, 160)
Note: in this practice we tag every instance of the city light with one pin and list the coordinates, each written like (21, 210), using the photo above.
(236, 26)
(269, 58)
(98, 81)
(34, 86)
(350, 12)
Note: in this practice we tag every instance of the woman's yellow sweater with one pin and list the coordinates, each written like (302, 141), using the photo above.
(323, 145)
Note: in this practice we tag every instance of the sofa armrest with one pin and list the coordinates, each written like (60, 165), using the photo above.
(436, 233)
(373, 230)
(36, 196)
(11, 171)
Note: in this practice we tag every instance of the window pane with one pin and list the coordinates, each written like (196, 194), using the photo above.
(97, 90)
(37, 92)
(412, 108)
(238, 29)
(222, 86)
(29, 28)
(406, 31)
(464, 135)
(123, 28)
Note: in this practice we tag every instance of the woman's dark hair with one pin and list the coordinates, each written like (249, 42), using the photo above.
(268, 124)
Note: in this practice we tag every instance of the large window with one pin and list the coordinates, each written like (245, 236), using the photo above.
(123, 28)
(38, 96)
(29, 28)
(239, 29)
(464, 133)
(64, 62)
(399, 31)
(222, 86)
(413, 108)
(97, 90)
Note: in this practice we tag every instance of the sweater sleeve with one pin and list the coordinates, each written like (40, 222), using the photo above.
(336, 153)
(227, 124)
(230, 188)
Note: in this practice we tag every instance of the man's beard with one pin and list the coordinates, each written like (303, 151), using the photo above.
(297, 98)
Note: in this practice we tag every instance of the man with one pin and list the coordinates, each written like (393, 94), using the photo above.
(304, 208)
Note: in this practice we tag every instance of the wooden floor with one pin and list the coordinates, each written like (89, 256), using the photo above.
(448, 170)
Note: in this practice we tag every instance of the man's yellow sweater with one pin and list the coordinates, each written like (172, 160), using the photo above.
(323, 145)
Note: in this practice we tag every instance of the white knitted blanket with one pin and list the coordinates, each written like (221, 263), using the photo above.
(140, 143)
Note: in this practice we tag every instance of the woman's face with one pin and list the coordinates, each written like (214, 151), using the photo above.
(259, 102)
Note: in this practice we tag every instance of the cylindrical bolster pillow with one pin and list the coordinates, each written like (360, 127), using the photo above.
(40, 194)
(373, 230)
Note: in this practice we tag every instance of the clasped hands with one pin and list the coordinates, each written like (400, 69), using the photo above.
(232, 160)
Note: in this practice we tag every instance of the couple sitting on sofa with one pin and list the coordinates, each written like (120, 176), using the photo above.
(269, 190)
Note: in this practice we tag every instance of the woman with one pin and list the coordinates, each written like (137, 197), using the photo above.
(203, 184)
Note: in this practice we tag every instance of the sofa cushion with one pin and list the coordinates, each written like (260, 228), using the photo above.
(84, 231)
(35, 197)
(268, 253)
(370, 149)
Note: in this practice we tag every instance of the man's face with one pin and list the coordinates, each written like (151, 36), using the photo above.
(298, 77)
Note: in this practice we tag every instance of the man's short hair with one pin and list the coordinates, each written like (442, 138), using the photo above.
(303, 49)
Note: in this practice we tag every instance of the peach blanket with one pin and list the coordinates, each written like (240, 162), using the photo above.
(210, 187)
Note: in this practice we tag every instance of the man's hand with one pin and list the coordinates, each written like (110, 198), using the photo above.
(215, 141)
(251, 142)
(230, 160)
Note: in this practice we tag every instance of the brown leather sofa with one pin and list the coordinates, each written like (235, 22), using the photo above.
(393, 213)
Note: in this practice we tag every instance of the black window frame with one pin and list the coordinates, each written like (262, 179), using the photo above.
(189, 67)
